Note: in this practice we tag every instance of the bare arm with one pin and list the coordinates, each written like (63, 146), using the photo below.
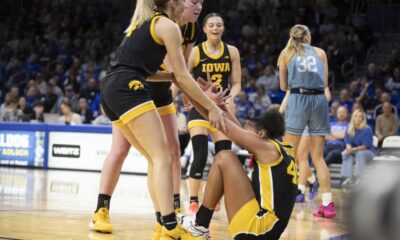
(186, 53)
(321, 53)
(327, 93)
(283, 74)
(264, 150)
(282, 107)
(170, 34)
(160, 76)
(236, 74)
(363, 93)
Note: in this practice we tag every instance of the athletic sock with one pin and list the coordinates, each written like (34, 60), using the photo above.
(203, 216)
(103, 201)
(177, 201)
(169, 221)
(326, 198)
(158, 217)
(194, 199)
(311, 179)
(302, 188)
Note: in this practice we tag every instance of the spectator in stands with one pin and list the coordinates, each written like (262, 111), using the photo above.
(384, 98)
(334, 144)
(3, 106)
(14, 93)
(244, 108)
(345, 99)
(386, 124)
(357, 105)
(354, 89)
(40, 83)
(333, 110)
(26, 110)
(56, 88)
(12, 114)
(250, 87)
(84, 111)
(102, 119)
(92, 94)
(370, 103)
(393, 83)
(38, 109)
(359, 147)
(49, 99)
(73, 98)
(261, 101)
(269, 79)
(372, 75)
(68, 117)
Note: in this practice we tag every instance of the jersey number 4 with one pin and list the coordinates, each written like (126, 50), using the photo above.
(292, 170)
(307, 64)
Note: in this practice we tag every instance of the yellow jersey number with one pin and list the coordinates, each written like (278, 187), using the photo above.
(292, 170)
(216, 80)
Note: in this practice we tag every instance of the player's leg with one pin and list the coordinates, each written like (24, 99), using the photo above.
(199, 136)
(171, 130)
(228, 178)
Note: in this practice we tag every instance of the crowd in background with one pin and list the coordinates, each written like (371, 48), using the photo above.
(55, 54)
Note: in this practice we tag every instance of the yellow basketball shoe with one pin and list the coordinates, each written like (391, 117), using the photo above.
(173, 234)
(101, 221)
(157, 232)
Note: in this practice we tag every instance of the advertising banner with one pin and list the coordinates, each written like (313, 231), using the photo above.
(22, 148)
(87, 151)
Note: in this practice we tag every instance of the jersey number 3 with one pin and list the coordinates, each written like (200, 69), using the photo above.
(307, 64)
(292, 170)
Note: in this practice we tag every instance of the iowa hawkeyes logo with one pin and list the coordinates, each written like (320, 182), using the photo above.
(136, 85)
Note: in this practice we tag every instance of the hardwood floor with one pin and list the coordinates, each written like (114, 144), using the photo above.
(53, 204)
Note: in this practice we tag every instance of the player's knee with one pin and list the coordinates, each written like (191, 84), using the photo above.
(119, 154)
(175, 153)
(224, 157)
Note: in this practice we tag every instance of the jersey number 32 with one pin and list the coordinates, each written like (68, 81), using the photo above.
(307, 64)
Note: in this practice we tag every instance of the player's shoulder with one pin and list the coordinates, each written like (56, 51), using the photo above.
(319, 51)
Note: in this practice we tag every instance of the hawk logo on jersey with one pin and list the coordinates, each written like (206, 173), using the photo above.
(136, 85)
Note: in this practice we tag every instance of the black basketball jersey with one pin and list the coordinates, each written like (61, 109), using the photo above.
(219, 66)
(141, 49)
(190, 33)
(275, 184)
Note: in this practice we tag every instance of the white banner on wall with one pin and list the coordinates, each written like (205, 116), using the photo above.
(87, 151)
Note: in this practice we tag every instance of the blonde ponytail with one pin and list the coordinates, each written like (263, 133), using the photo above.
(296, 40)
(144, 11)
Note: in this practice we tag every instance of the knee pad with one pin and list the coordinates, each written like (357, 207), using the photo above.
(200, 153)
(223, 145)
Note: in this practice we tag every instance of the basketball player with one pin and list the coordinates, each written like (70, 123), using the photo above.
(304, 70)
(259, 208)
(161, 94)
(303, 151)
(222, 62)
(127, 101)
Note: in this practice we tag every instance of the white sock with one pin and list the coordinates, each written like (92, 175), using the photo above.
(302, 188)
(326, 198)
(311, 179)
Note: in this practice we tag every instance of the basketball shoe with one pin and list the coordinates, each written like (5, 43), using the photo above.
(101, 221)
(325, 212)
(193, 208)
(157, 232)
(193, 230)
(313, 190)
(173, 234)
